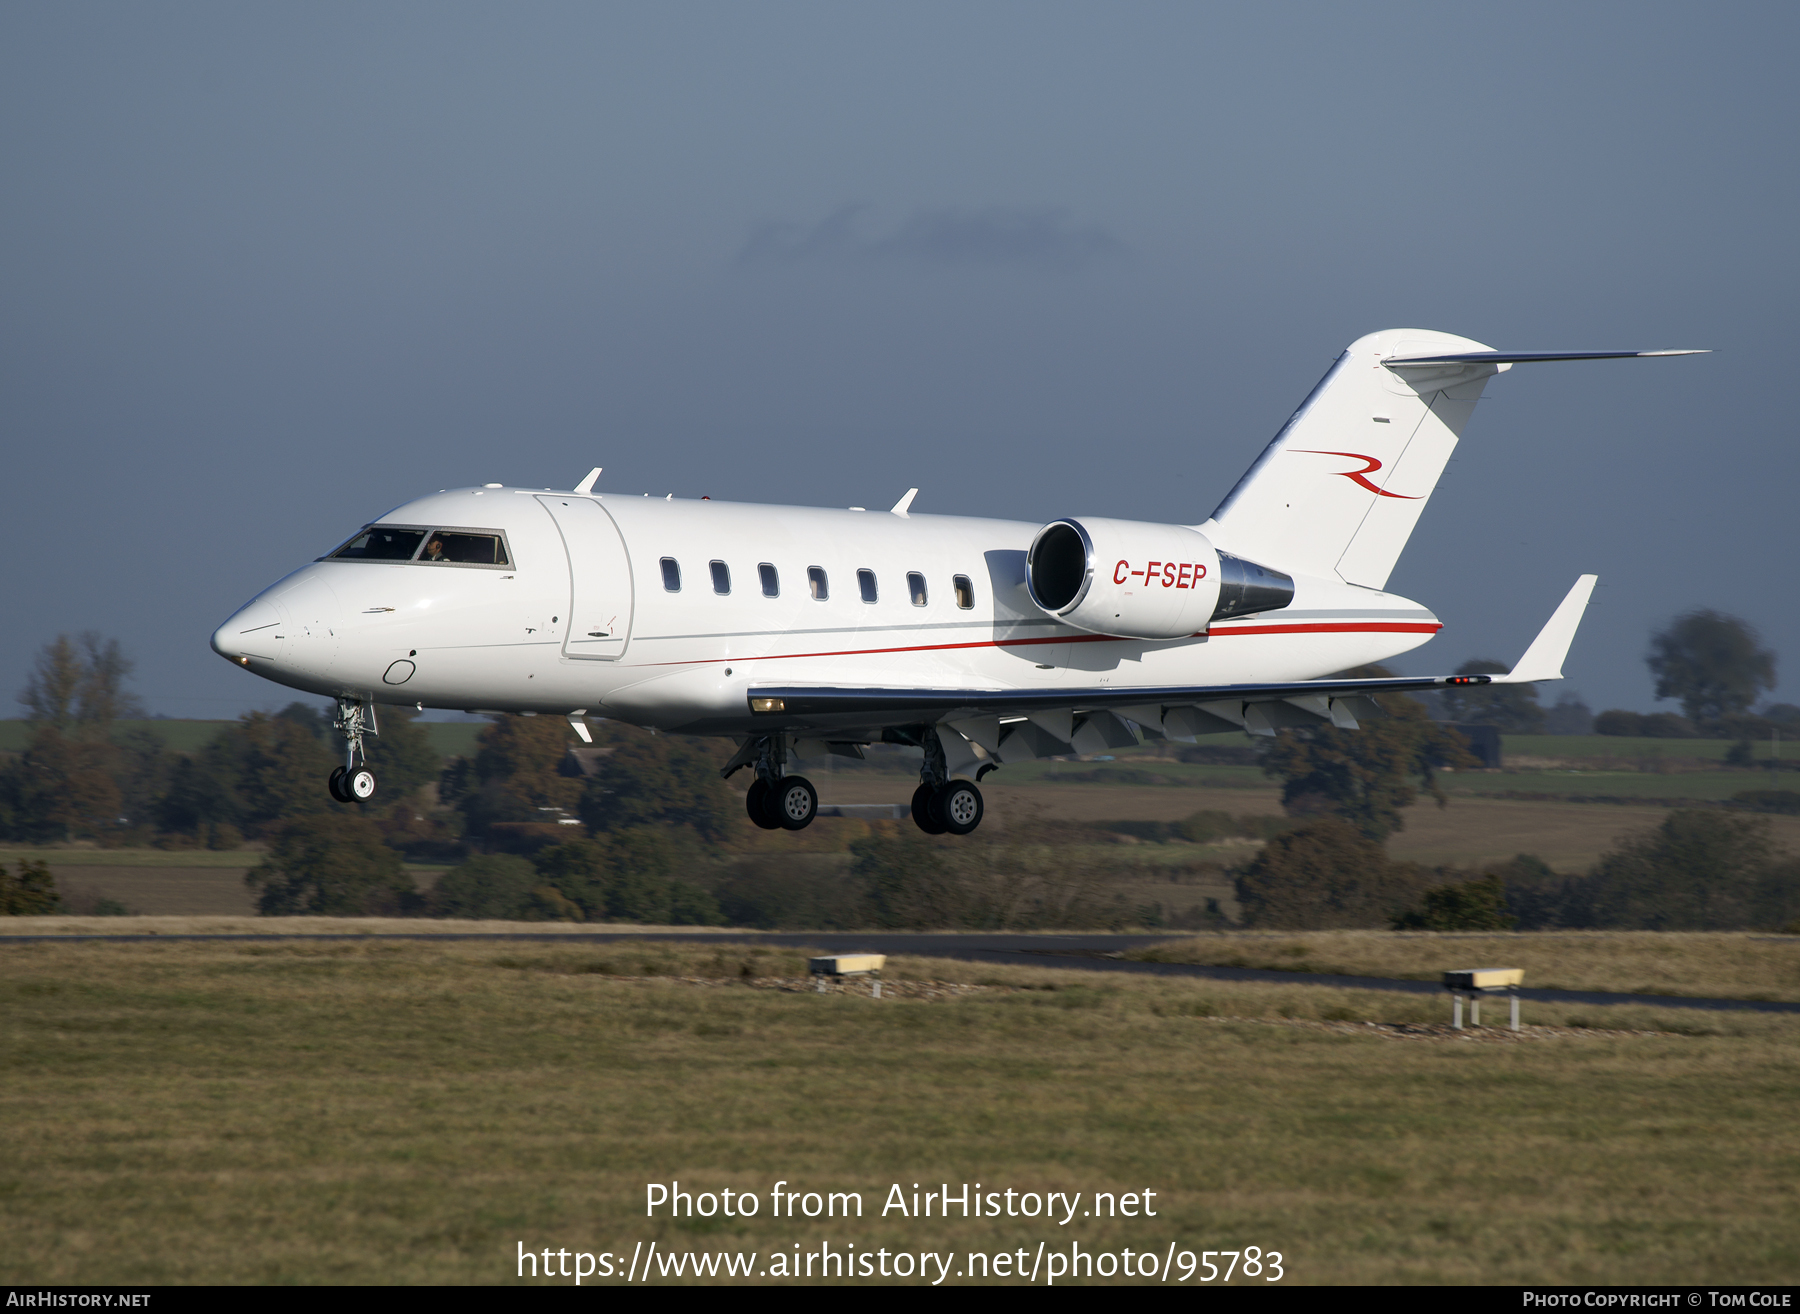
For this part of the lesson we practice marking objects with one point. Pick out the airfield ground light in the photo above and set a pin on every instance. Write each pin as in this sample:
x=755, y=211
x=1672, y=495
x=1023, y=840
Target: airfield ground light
x=1472, y=983
x=838, y=966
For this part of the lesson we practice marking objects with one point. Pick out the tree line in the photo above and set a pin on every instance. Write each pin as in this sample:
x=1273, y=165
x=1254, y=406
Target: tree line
x=1699, y=870
x=1714, y=665
x=639, y=827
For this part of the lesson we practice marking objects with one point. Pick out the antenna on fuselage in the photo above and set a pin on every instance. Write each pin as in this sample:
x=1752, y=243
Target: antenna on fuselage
x=587, y=484
x=903, y=507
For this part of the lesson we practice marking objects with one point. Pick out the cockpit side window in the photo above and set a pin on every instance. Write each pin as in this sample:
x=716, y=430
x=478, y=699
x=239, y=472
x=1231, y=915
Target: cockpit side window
x=379, y=543
x=449, y=547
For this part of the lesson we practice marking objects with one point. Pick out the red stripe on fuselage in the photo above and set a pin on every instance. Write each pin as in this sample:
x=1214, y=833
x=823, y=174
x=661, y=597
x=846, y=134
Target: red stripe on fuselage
x=1347, y=627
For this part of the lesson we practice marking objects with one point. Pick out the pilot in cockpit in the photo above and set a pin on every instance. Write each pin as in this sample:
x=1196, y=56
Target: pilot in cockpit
x=434, y=550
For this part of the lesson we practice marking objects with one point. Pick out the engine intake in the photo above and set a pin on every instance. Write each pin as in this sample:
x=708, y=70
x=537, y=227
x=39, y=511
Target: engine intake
x=1144, y=581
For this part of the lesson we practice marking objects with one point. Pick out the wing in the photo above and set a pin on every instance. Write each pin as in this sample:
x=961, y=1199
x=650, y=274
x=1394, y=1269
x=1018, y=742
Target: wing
x=1179, y=711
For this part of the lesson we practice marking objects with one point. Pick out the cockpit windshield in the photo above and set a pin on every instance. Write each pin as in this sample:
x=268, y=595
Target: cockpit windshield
x=379, y=544
x=440, y=547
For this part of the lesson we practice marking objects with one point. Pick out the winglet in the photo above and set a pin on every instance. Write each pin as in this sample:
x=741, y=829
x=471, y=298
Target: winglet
x=588, y=482
x=1544, y=658
x=903, y=506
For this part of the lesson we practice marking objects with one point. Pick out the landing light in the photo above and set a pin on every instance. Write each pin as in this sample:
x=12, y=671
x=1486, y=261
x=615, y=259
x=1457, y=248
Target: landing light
x=767, y=705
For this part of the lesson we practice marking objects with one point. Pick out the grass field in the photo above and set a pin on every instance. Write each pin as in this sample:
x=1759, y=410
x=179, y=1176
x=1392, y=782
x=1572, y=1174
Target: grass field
x=182, y=736
x=1604, y=786
x=1593, y=778
x=1472, y=830
x=453, y=738
x=414, y=1112
x=162, y=882
x=1615, y=746
x=89, y=856
x=1706, y=964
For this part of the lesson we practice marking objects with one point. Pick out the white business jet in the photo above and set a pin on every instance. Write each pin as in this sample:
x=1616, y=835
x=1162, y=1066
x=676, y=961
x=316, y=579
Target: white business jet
x=800, y=631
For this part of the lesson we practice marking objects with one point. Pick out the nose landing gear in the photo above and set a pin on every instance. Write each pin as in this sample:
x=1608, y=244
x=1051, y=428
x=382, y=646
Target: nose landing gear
x=351, y=783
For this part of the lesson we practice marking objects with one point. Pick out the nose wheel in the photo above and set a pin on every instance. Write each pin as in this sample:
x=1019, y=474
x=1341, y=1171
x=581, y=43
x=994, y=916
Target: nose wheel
x=351, y=786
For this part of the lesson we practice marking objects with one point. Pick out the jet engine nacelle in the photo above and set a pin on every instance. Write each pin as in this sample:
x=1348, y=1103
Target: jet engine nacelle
x=1125, y=577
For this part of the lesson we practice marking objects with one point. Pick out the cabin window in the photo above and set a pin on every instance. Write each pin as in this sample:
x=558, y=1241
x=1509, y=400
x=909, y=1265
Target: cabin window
x=721, y=574
x=965, y=592
x=815, y=580
x=771, y=580
x=915, y=588
x=448, y=547
x=377, y=543
x=671, y=574
x=865, y=580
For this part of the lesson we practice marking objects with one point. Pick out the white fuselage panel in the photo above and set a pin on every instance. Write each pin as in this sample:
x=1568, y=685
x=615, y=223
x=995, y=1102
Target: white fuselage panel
x=582, y=617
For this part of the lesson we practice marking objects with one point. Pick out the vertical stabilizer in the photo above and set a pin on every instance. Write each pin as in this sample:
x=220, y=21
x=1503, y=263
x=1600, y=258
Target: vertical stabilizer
x=1338, y=491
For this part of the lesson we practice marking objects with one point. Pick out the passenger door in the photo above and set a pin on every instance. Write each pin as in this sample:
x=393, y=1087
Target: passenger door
x=599, y=579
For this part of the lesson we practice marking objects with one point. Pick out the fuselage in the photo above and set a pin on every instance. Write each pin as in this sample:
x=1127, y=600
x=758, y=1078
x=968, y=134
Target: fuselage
x=670, y=613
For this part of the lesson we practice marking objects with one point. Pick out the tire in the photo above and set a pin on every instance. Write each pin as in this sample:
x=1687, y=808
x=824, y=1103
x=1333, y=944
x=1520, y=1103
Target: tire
x=756, y=803
x=960, y=807
x=924, y=810
x=360, y=784
x=335, y=784
x=795, y=802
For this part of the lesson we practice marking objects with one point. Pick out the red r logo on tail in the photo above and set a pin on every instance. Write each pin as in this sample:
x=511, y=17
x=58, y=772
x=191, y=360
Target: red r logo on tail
x=1357, y=476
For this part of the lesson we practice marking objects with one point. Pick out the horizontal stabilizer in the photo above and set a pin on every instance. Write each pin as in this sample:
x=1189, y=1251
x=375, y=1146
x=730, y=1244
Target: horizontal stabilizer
x=1543, y=660
x=1527, y=357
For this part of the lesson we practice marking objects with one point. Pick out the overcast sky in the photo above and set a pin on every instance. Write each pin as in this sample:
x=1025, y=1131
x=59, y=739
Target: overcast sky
x=271, y=269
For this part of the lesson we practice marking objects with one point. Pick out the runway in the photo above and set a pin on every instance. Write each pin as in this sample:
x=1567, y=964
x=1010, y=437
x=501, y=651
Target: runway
x=1095, y=952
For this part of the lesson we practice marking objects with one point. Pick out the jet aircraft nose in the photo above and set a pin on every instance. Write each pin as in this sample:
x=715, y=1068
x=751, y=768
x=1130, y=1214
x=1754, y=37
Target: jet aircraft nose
x=255, y=630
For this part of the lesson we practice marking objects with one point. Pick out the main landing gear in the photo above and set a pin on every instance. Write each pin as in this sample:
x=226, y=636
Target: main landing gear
x=351, y=783
x=787, y=803
x=953, y=808
x=777, y=801
x=940, y=805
